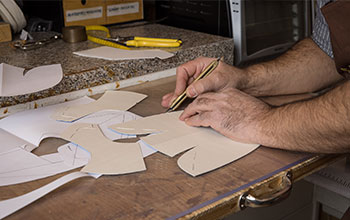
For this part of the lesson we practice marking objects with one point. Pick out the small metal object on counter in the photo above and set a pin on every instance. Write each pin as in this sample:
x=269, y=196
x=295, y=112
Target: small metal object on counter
x=30, y=45
x=74, y=34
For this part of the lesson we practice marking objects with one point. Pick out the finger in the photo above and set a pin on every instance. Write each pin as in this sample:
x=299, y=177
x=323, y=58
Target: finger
x=201, y=104
x=167, y=96
x=211, y=83
x=182, y=77
x=166, y=99
x=186, y=73
x=200, y=87
x=201, y=119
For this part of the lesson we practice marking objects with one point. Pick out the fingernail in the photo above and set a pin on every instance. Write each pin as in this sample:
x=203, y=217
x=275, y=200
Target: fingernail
x=180, y=118
x=172, y=99
x=187, y=121
x=192, y=92
x=166, y=96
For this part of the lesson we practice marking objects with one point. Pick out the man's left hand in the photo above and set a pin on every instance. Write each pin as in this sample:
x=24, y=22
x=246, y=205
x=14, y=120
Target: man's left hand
x=231, y=112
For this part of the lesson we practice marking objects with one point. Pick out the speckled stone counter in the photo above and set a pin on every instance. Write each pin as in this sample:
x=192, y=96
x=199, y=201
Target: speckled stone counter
x=81, y=72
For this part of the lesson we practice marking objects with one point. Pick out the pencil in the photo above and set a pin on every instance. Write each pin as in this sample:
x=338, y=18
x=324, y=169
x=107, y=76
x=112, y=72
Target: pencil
x=210, y=68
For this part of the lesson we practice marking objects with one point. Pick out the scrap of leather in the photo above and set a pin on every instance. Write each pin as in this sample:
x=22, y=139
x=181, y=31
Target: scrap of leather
x=206, y=149
x=107, y=157
x=337, y=15
x=110, y=100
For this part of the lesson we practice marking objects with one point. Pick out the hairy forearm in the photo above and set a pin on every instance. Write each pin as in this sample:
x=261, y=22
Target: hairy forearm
x=304, y=68
x=318, y=125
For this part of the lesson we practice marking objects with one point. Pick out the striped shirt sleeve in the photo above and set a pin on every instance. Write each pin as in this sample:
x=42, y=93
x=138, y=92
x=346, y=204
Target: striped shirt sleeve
x=320, y=33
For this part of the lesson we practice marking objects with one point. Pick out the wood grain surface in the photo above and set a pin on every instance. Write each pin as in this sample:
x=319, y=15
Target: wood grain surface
x=162, y=191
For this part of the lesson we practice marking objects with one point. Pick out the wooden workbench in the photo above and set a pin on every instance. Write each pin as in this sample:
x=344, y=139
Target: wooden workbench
x=163, y=191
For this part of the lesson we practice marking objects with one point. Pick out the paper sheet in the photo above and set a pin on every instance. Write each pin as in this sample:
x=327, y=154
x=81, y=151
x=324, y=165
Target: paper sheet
x=106, y=118
x=110, y=53
x=107, y=157
x=13, y=80
x=9, y=142
x=35, y=125
x=68, y=156
x=19, y=166
x=146, y=149
x=171, y=136
x=10, y=206
x=110, y=100
x=212, y=151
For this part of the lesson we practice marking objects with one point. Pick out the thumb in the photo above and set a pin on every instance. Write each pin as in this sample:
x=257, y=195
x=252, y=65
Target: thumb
x=199, y=87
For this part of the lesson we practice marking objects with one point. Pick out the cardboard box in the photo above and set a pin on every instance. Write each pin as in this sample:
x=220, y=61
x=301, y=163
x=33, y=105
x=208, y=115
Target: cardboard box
x=99, y=12
x=118, y=11
x=5, y=32
x=88, y=12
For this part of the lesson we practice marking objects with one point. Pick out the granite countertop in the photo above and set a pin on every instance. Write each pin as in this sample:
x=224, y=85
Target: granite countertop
x=82, y=72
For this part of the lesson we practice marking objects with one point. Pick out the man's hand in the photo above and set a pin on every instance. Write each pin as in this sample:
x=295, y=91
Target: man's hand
x=231, y=112
x=319, y=125
x=304, y=68
x=224, y=76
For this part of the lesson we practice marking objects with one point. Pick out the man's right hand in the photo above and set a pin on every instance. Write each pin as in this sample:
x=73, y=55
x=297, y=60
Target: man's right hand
x=224, y=76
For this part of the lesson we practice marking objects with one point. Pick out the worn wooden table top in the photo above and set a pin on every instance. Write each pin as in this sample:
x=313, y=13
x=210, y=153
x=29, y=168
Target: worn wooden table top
x=161, y=192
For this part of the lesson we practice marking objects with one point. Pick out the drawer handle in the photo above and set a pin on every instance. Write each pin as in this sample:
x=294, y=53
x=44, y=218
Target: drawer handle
x=248, y=200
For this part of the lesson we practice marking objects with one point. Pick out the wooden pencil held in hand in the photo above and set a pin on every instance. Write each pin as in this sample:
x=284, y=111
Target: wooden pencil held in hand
x=210, y=68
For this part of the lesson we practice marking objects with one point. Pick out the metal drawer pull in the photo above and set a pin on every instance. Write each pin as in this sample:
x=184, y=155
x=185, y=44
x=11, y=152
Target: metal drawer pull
x=267, y=199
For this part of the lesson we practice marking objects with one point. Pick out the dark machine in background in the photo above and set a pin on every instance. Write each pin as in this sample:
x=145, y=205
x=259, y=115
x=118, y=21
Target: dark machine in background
x=43, y=15
x=260, y=28
x=205, y=16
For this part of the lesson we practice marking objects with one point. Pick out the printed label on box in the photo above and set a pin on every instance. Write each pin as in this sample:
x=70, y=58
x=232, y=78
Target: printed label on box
x=122, y=9
x=84, y=14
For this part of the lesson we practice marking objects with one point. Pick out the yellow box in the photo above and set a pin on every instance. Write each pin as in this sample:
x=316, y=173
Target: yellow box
x=5, y=32
x=94, y=12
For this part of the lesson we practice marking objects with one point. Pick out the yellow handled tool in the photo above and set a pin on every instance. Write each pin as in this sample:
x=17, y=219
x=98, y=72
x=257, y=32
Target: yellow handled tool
x=153, y=42
x=123, y=42
x=148, y=42
x=100, y=40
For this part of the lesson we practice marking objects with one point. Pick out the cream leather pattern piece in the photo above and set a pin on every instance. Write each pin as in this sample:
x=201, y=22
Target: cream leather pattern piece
x=110, y=100
x=107, y=157
x=208, y=150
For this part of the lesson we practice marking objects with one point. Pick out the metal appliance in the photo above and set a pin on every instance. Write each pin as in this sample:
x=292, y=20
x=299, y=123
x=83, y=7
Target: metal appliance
x=260, y=28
